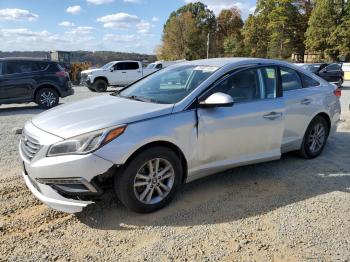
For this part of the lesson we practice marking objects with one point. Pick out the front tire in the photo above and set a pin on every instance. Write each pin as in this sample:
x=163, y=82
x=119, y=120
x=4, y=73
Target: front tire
x=47, y=98
x=100, y=85
x=150, y=180
x=315, y=138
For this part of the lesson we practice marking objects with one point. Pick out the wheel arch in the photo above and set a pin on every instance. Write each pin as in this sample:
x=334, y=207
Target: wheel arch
x=169, y=145
x=101, y=78
x=326, y=117
x=47, y=85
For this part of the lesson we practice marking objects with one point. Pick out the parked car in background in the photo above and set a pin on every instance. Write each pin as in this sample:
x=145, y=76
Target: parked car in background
x=115, y=73
x=157, y=134
x=332, y=73
x=24, y=80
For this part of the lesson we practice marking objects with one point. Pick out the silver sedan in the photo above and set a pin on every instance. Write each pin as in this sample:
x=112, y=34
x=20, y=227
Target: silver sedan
x=177, y=125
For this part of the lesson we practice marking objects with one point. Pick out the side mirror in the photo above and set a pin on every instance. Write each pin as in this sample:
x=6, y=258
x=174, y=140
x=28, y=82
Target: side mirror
x=112, y=69
x=217, y=100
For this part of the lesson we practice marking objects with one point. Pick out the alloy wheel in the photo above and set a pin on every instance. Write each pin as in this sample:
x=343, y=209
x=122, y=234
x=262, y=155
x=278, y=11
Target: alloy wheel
x=317, y=138
x=48, y=98
x=154, y=181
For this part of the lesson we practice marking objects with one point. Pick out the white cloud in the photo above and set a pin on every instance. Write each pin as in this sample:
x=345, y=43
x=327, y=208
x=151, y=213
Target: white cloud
x=66, y=24
x=119, y=18
x=217, y=5
x=74, y=9
x=121, y=38
x=82, y=30
x=17, y=14
x=76, y=38
x=144, y=27
x=99, y=2
x=132, y=1
x=79, y=38
x=252, y=9
x=124, y=21
x=155, y=19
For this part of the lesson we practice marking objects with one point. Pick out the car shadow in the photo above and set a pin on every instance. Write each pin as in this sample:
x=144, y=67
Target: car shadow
x=238, y=193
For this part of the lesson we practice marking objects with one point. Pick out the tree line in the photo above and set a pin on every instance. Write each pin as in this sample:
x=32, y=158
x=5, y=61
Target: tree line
x=97, y=58
x=277, y=29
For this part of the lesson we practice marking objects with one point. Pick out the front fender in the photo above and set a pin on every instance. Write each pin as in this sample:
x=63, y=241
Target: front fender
x=178, y=129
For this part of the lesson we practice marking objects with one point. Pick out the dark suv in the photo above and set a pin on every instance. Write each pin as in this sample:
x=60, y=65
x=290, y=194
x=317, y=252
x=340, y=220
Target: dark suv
x=24, y=80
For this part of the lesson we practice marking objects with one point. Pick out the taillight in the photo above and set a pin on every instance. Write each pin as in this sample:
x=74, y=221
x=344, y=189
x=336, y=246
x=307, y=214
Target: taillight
x=62, y=74
x=337, y=92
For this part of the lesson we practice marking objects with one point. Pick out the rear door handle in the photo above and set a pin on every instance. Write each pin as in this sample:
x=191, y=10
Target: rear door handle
x=123, y=72
x=306, y=101
x=273, y=116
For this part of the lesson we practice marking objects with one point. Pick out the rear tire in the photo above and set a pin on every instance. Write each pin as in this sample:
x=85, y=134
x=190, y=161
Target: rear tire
x=100, y=85
x=47, y=98
x=142, y=187
x=315, y=138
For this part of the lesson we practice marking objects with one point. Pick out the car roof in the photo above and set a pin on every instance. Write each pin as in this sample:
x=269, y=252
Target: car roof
x=222, y=62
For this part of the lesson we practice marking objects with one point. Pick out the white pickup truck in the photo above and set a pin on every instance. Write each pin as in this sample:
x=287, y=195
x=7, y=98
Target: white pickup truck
x=119, y=73
x=115, y=73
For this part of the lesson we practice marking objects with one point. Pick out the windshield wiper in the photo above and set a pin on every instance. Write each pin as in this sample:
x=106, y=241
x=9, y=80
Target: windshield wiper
x=138, y=98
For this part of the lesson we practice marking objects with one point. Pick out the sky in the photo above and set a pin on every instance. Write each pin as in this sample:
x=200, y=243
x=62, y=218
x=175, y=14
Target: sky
x=93, y=25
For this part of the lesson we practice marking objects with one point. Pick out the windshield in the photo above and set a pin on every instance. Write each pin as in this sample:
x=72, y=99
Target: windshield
x=108, y=65
x=151, y=66
x=169, y=86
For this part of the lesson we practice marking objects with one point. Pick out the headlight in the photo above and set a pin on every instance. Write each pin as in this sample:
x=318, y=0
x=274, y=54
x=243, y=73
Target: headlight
x=85, y=143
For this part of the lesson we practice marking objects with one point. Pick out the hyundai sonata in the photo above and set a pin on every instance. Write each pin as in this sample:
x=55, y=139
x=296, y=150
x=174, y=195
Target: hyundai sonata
x=175, y=126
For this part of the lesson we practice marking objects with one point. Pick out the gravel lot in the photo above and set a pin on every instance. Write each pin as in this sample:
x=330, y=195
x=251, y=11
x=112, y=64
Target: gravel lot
x=286, y=210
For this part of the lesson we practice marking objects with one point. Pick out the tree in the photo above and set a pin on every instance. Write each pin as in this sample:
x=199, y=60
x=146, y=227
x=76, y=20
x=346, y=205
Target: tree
x=256, y=36
x=181, y=39
x=205, y=18
x=185, y=32
x=322, y=23
x=229, y=40
x=284, y=26
x=340, y=38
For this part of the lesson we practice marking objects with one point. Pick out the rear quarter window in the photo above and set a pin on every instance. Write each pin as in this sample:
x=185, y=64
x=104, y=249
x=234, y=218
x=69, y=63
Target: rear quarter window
x=308, y=81
x=41, y=65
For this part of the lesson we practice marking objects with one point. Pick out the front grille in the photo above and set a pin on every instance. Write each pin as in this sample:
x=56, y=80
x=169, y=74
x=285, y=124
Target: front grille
x=83, y=78
x=29, y=145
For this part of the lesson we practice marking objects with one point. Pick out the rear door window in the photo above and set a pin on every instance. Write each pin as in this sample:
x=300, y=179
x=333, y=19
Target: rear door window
x=290, y=79
x=20, y=67
x=40, y=66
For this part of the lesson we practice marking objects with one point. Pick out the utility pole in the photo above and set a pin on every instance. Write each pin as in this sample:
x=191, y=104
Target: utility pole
x=208, y=43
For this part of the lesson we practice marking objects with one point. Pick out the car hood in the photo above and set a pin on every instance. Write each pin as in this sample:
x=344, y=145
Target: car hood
x=92, y=71
x=96, y=113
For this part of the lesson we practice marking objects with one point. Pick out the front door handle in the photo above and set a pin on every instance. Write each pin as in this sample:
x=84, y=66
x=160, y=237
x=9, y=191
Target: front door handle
x=123, y=72
x=273, y=115
x=306, y=101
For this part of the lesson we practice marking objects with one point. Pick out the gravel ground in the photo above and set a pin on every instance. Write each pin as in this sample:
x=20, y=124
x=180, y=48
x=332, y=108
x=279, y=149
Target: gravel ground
x=286, y=210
